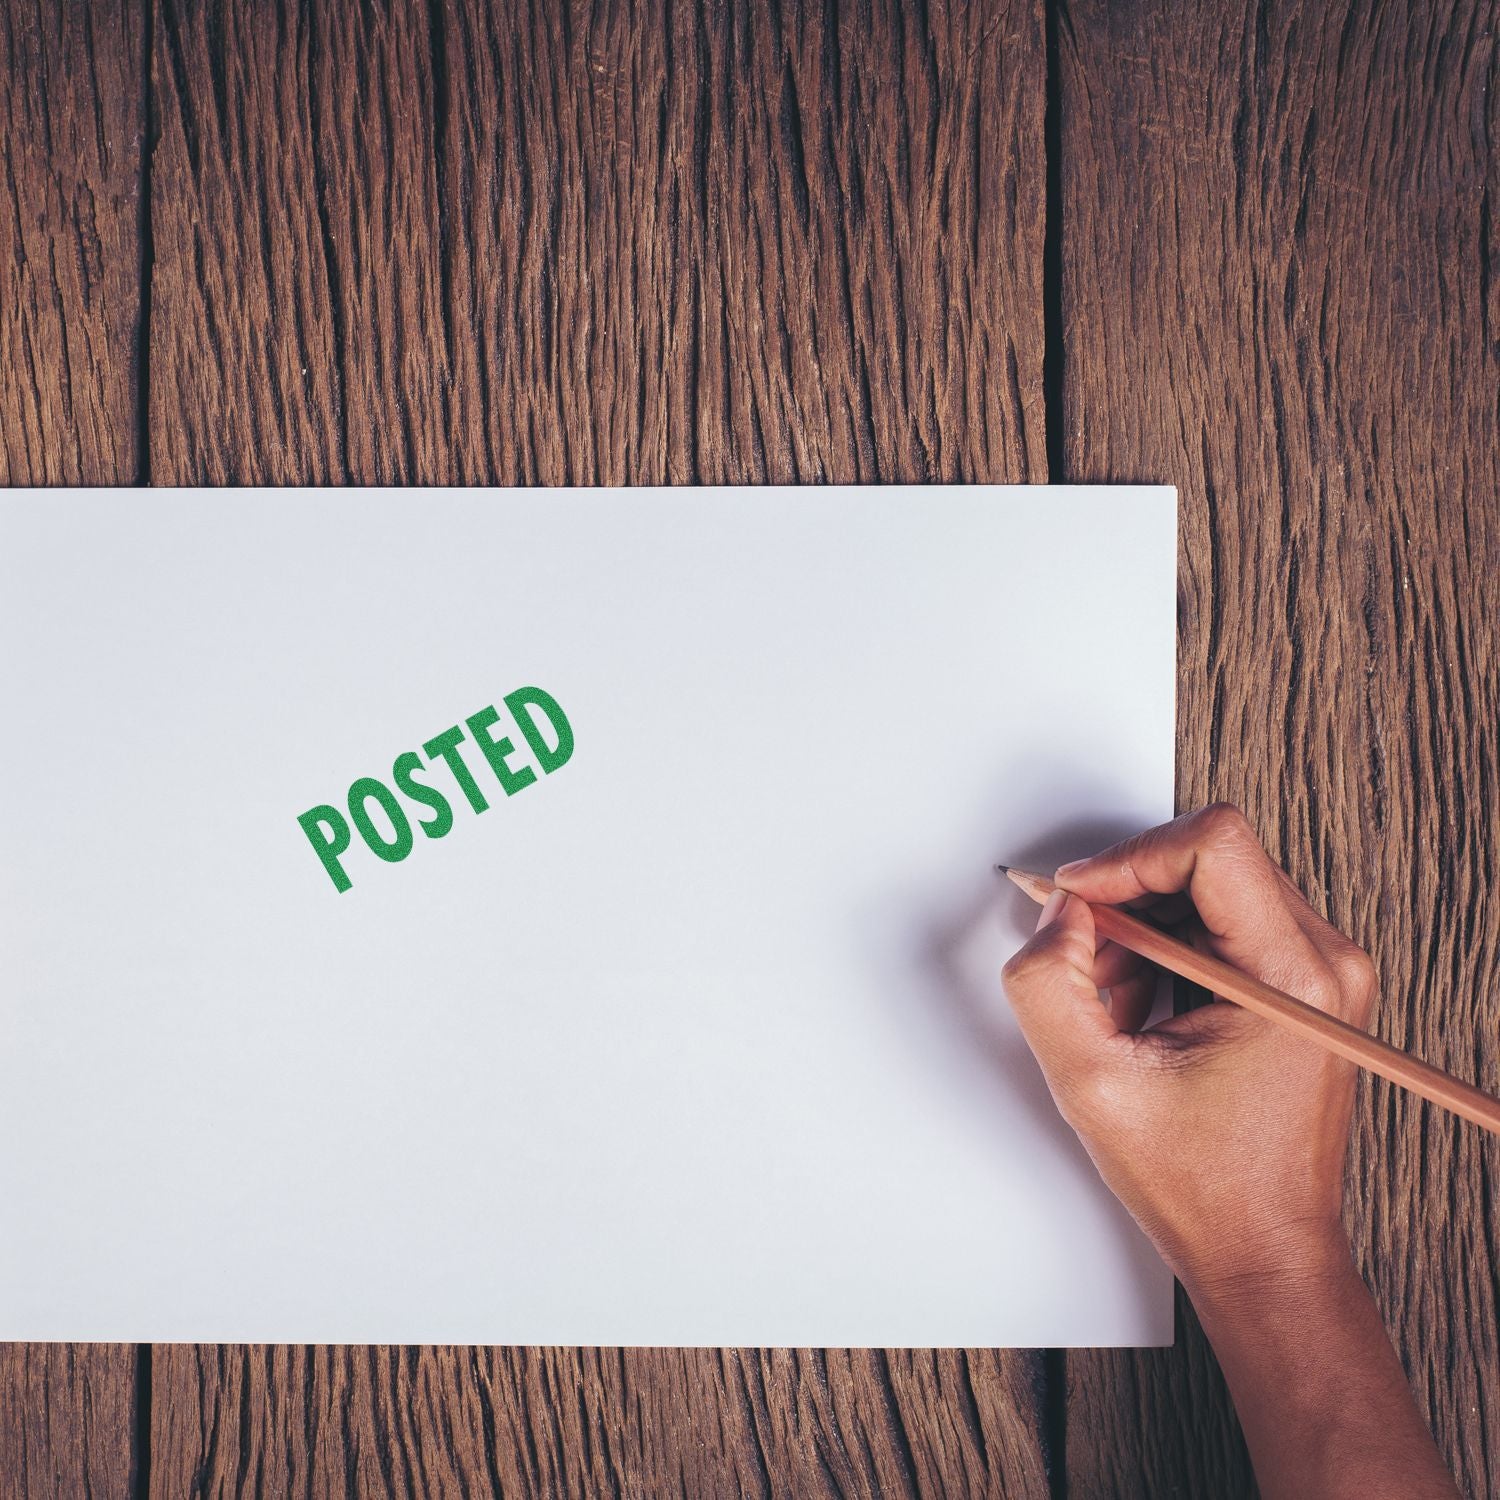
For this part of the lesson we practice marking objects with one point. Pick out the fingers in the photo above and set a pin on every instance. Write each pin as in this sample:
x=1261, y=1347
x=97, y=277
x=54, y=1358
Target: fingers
x=1130, y=981
x=1351, y=965
x=1114, y=964
x=1244, y=900
x=1212, y=854
x=1131, y=1000
x=1051, y=988
x=1166, y=911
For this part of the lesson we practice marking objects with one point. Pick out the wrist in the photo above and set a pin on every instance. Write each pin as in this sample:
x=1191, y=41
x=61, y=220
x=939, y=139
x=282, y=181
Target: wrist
x=1298, y=1263
x=1320, y=1393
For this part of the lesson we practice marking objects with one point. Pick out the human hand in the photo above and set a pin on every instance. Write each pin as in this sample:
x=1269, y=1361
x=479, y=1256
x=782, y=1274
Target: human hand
x=1221, y=1133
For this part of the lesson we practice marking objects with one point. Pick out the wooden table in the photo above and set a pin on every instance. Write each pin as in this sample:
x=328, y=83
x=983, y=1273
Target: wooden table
x=1253, y=250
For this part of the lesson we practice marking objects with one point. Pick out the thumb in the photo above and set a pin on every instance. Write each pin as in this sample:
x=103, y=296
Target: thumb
x=1051, y=988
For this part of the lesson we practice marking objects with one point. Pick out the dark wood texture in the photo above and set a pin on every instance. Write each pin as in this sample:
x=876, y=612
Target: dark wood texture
x=72, y=99
x=547, y=1422
x=1280, y=292
x=69, y=1420
x=592, y=245
x=563, y=243
x=72, y=117
x=432, y=243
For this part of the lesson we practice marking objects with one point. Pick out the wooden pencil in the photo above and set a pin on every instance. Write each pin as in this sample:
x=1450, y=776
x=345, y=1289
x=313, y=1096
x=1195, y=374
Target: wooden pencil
x=1306, y=1020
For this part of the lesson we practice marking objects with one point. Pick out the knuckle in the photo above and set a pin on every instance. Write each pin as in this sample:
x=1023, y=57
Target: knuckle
x=1321, y=989
x=1127, y=864
x=1045, y=960
x=1226, y=824
x=1356, y=973
x=1023, y=967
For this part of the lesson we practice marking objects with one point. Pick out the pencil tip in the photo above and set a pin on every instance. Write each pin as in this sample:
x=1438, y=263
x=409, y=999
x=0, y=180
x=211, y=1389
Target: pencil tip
x=1002, y=869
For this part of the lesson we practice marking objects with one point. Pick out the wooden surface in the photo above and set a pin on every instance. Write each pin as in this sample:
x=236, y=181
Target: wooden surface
x=1247, y=249
x=72, y=120
x=1281, y=293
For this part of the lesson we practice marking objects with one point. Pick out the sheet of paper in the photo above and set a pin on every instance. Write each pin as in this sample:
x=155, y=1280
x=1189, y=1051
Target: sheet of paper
x=696, y=1037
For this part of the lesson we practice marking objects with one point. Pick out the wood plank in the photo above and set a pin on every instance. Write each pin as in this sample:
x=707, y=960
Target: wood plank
x=72, y=120
x=427, y=245
x=600, y=245
x=772, y=250
x=69, y=1422
x=72, y=117
x=545, y=1422
x=1280, y=293
x=244, y=373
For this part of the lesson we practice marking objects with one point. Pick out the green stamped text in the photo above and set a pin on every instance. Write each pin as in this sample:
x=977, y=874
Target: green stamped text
x=381, y=818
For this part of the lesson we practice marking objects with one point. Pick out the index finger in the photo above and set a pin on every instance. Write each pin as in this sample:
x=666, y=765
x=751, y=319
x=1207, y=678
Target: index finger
x=1240, y=895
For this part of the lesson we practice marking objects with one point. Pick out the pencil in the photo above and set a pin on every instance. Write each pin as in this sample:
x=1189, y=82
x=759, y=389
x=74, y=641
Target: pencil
x=1339, y=1037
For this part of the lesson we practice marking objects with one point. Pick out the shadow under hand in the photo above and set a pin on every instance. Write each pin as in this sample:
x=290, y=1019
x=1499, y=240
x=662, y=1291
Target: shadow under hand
x=964, y=950
x=963, y=945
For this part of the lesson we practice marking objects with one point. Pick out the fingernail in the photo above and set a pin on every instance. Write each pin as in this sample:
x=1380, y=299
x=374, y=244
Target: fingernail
x=1051, y=907
x=1071, y=868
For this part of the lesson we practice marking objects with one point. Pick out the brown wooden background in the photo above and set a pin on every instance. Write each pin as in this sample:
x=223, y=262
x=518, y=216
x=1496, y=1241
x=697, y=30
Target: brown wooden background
x=1252, y=249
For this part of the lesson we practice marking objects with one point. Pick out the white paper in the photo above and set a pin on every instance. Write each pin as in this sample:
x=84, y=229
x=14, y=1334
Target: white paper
x=698, y=1039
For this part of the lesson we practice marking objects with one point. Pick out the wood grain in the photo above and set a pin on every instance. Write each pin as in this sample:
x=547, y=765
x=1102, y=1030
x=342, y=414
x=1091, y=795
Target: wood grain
x=72, y=121
x=546, y=1422
x=72, y=117
x=68, y=1420
x=599, y=246
x=1280, y=293
x=596, y=245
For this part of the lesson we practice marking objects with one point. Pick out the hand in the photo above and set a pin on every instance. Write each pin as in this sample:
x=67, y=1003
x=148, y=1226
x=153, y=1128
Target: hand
x=1224, y=1135
x=1221, y=1133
